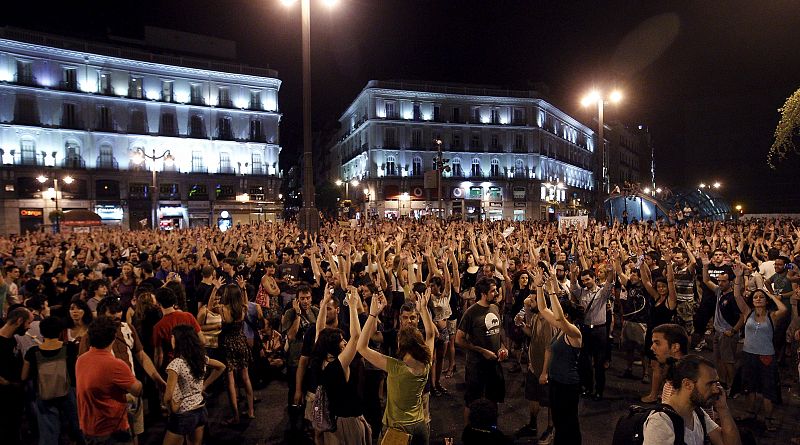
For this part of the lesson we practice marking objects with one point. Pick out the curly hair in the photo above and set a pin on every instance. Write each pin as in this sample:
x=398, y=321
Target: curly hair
x=328, y=343
x=190, y=349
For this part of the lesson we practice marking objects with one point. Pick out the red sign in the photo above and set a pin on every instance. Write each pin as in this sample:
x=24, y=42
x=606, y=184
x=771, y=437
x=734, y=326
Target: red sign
x=31, y=213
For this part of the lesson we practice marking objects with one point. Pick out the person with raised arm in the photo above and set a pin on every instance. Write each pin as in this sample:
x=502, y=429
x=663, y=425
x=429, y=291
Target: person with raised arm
x=406, y=376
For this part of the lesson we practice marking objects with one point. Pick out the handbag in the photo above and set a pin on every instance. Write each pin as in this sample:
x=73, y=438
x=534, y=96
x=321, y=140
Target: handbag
x=393, y=436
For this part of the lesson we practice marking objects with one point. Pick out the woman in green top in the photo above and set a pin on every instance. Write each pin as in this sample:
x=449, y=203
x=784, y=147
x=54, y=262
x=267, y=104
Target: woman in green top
x=406, y=376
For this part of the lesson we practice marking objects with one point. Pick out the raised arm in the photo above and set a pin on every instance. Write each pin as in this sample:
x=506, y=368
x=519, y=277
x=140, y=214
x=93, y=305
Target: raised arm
x=377, y=359
x=349, y=351
x=738, y=288
x=706, y=278
x=430, y=328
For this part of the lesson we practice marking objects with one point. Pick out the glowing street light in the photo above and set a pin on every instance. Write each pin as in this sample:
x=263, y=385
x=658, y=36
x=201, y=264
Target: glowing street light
x=596, y=98
x=717, y=185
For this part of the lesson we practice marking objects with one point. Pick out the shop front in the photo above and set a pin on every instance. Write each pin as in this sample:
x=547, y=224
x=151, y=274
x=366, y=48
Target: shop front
x=110, y=214
x=30, y=220
x=172, y=217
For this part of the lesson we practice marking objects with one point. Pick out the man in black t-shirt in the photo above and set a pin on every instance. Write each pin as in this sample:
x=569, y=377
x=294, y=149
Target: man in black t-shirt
x=11, y=391
x=479, y=334
x=708, y=299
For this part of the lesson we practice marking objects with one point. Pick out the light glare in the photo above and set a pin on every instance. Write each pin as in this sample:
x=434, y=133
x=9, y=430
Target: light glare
x=68, y=180
x=615, y=96
x=330, y=3
x=42, y=179
x=288, y=2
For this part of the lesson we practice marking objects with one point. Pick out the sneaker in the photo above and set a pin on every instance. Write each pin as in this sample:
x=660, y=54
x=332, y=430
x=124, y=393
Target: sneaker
x=700, y=346
x=547, y=436
x=526, y=431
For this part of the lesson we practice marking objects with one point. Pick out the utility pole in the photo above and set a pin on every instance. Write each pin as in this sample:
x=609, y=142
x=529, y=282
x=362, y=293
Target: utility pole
x=439, y=167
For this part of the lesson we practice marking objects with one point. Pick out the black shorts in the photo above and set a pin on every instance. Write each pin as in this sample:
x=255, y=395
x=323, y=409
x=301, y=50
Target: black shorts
x=535, y=391
x=760, y=375
x=183, y=424
x=484, y=379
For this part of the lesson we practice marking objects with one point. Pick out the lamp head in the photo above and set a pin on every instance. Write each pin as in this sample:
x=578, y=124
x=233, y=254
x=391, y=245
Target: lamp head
x=615, y=96
x=68, y=180
x=169, y=160
x=338, y=182
x=137, y=158
x=591, y=98
x=42, y=179
x=354, y=183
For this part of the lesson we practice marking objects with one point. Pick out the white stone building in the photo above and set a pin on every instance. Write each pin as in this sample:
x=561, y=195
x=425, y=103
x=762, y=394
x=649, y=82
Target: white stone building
x=84, y=109
x=511, y=154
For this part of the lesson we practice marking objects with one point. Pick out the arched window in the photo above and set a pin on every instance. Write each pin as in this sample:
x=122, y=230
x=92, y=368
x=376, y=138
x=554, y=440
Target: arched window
x=495, y=168
x=416, y=166
x=456, y=166
x=519, y=168
x=476, y=168
x=72, y=155
x=390, y=166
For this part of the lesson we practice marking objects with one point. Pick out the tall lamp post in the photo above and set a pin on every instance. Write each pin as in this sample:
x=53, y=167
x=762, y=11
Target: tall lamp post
x=308, y=217
x=347, y=184
x=366, y=204
x=599, y=99
x=138, y=158
x=67, y=180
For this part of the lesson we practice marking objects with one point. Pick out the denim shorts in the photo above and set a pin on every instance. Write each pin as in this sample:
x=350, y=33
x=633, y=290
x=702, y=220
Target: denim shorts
x=183, y=424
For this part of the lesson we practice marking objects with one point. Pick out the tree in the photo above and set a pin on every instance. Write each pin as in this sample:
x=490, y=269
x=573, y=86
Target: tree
x=787, y=132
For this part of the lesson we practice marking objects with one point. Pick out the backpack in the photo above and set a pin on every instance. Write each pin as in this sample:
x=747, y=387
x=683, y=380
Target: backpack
x=52, y=377
x=321, y=418
x=630, y=427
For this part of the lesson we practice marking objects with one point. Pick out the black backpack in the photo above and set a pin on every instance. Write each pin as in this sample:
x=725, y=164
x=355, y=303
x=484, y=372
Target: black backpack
x=630, y=427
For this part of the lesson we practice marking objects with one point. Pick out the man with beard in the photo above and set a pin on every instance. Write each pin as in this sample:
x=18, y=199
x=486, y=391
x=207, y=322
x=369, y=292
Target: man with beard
x=696, y=386
x=479, y=335
x=11, y=391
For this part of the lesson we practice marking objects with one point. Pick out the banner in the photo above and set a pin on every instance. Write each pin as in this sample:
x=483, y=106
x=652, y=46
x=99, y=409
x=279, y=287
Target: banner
x=576, y=221
x=430, y=179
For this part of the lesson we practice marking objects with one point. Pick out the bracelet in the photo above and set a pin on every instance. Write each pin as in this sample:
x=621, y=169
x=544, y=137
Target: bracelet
x=376, y=317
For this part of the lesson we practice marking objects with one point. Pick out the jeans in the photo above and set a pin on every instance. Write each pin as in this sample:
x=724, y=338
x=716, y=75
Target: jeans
x=564, y=407
x=51, y=413
x=591, y=365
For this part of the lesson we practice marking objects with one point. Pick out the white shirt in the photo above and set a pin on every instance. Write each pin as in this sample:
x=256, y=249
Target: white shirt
x=658, y=430
x=767, y=268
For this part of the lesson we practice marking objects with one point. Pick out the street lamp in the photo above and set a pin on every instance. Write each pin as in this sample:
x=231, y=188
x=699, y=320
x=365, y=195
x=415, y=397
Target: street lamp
x=596, y=97
x=308, y=217
x=347, y=184
x=138, y=158
x=366, y=202
x=67, y=180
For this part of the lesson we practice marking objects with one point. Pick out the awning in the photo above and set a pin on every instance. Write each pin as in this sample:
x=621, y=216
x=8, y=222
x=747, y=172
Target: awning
x=81, y=218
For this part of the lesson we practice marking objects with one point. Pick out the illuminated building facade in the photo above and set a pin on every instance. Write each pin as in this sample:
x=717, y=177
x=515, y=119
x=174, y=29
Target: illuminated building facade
x=85, y=109
x=511, y=154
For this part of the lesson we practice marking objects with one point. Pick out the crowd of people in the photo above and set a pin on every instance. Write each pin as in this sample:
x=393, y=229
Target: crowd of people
x=106, y=331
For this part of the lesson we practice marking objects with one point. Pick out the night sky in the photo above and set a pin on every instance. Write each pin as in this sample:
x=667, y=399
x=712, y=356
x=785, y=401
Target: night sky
x=707, y=77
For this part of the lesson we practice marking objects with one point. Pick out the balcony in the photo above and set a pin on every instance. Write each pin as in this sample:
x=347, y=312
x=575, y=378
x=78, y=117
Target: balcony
x=73, y=163
x=520, y=149
x=226, y=170
x=224, y=103
x=68, y=86
x=26, y=79
x=257, y=170
x=104, y=163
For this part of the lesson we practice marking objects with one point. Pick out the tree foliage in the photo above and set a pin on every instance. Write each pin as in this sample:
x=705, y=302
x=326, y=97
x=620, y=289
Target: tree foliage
x=787, y=131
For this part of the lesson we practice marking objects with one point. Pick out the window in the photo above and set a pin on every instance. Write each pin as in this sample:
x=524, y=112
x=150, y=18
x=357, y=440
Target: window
x=138, y=190
x=495, y=116
x=456, y=141
x=476, y=115
x=258, y=167
x=196, y=126
x=104, y=122
x=135, y=87
x=436, y=137
x=166, y=90
x=72, y=155
x=390, y=138
x=416, y=166
x=255, y=100
x=25, y=73
x=197, y=94
x=225, y=191
x=70, y=82
x=456, y=115
x=198, y=192
x=168, y=191
x=167, y=125
x=389, y=109
x=27, y=149
x=105, y=159
x=390, y=166
x=495, y=144
x=476, y=167
x=455, y=165
x=519, y=168
x=256, y=131
x=25, y=110
x=475, y=142
x=106, y=189
x=104, y=85
x=198, y=166
x=138, y=122
x=519, y=142
x=224, y=129
x=519, y=116
x=495, y=168
x=417, y=113
x=437, y=114
x=224, y=98
x=225, y=163
x=416, y=138
x=257, y=193
x=69, y=118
